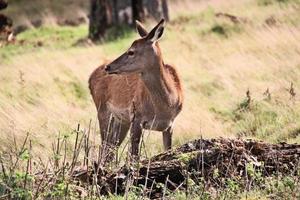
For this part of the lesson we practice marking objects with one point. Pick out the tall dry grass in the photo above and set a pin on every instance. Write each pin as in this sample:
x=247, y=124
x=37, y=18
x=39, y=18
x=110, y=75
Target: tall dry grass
x=44, y=91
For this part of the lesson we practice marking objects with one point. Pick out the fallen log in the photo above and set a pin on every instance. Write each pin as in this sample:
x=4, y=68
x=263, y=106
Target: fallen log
x=208, y=161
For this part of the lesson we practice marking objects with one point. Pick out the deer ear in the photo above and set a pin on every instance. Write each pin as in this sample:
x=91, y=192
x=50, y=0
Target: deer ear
x=156, y=33
x=141, y=29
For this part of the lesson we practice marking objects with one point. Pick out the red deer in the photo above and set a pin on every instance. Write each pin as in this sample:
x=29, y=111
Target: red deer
x=139, y=91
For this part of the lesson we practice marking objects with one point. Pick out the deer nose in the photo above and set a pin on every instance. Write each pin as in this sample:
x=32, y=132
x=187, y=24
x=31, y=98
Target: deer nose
x=107, y=68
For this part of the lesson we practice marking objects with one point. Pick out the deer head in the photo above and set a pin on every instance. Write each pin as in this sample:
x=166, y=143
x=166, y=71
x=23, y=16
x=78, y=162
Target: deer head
x=143, y=54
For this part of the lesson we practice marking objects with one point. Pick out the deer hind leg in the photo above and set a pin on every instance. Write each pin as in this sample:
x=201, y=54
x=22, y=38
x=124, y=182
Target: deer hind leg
x=167, y=138
x=107, y=124
x=136, y=133
x=104, y=117
x=118, y=134
x=113, y=133
x=122, y=129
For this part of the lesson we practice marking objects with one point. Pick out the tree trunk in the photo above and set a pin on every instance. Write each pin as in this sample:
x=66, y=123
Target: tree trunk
x=100, y=19
x=115, y=12
x=3, y=4
x=137, y=10
x=165, y=10
x=5, y=22
x=154, y=9
x=158, y=9
x=6, y=32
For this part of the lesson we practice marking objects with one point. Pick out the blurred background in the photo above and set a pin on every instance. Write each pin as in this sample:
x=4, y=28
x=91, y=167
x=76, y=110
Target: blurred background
x=239, y=61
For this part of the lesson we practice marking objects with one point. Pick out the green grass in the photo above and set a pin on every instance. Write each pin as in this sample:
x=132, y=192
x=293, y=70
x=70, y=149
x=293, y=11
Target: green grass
x=270, y=2
x=60, y=38
x=55, y=36
x=42, y=38
x=274, y=120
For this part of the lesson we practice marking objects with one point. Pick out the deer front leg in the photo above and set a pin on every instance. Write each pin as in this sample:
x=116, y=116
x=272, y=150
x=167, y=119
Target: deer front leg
x=167, y=138
x=136, y=133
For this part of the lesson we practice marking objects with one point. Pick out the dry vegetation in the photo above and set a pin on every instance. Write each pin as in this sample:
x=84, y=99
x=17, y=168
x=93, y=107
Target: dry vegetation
x=43, y=79
x=35, y=13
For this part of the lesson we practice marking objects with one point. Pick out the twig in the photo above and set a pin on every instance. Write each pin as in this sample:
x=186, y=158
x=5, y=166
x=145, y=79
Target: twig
x=165, y=188
x=147, y=175
x=75, y=147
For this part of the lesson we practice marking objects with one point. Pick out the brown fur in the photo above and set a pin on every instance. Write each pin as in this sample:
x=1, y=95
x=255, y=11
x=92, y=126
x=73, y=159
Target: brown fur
x=121, y=89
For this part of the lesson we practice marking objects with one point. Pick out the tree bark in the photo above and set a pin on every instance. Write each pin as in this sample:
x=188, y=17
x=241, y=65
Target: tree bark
x=100, y=19
x=165, y=10
x=115, y=12
x=4, y=20
x=154, y=9
x=6, y=23
x=3, y=4
x=158, y=9
x=137, y=10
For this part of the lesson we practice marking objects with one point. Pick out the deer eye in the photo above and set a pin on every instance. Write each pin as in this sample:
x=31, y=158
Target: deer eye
x=130, y=53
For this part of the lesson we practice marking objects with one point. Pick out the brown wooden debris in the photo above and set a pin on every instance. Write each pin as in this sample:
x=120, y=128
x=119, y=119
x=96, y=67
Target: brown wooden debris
x=199, y=160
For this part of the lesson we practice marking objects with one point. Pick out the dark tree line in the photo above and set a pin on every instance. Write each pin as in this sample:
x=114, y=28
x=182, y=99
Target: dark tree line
x=5, y=23
x=100, y=18
x=108, y=13
x=3, y=4
x=138, y=10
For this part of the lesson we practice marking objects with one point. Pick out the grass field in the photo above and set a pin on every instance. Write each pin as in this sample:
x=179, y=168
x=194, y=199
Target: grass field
x=44, y=91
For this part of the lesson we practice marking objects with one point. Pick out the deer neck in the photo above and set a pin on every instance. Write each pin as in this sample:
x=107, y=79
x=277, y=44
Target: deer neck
x=161, y=87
